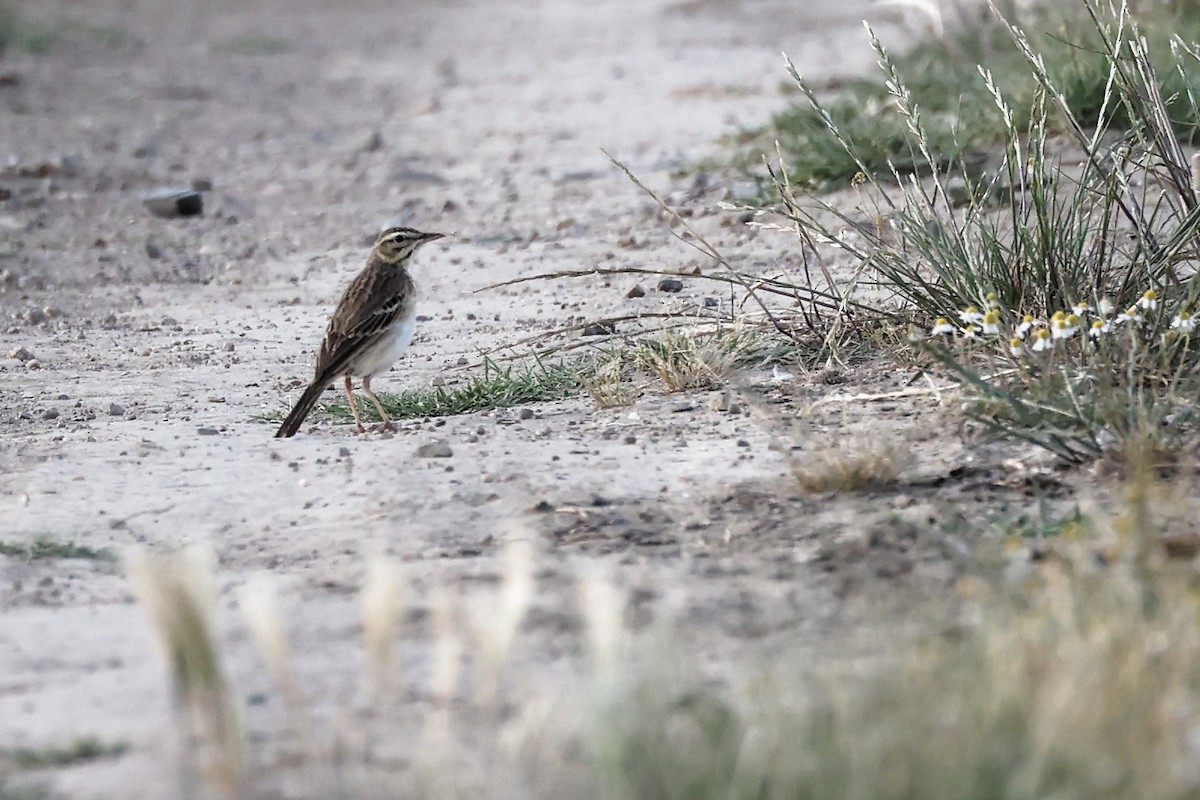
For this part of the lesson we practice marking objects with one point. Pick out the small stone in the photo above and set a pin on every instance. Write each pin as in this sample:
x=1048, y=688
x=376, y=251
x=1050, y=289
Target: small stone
x=694, y=269
x=202, y=184
x=525, y=413
x=670, y=285
x=373, y=143
x=145, y=150
x=116, y=410
x=153, y=250
x=743, y=443
x=52, y=312
x=343, y=452
x=33, y=363
x=20, y=354
x=680, y=406
x=229, y=347
x=724, y=401
x=33, y=316
x=711, y=302
x=462, y=361
x=438, y=449
x=207, y=431
x=437, y=380
x=630, y=439
x=174, y=201
x=600, y=329
x=637, y=291
x=50, y=413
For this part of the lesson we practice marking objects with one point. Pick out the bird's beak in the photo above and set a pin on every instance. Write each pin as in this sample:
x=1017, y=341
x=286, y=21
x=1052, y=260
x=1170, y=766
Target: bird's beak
x=429, y=237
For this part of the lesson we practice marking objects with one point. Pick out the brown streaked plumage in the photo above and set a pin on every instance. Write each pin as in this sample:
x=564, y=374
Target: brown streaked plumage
x=370, y=328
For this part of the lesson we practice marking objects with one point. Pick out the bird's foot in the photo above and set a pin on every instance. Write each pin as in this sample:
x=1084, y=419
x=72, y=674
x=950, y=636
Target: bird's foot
x=389, y=427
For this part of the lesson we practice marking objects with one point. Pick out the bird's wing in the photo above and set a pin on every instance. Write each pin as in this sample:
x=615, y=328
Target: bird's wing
x=373, y=301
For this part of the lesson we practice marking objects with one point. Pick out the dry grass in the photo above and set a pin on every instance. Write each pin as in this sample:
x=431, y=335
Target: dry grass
x=850, y=467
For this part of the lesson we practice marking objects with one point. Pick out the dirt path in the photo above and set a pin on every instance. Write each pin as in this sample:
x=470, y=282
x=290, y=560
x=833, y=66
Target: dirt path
x=165, y=338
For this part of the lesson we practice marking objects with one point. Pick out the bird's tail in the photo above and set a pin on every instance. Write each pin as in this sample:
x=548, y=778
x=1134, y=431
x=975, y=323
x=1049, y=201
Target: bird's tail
x=304, y=405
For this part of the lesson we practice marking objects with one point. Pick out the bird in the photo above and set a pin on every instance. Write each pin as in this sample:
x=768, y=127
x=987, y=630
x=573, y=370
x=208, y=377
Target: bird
x=370, y=328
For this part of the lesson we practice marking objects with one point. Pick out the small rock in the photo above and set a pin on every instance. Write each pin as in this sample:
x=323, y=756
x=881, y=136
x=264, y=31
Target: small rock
x=437, y=380
x=343, y=452
x=600, y=329
x=670, y=285
x=525, y=413
x=630, y=439
x=207, y=431
x=177, y=201
x=680, y=406
x=726, y=402
x=637, y=291
x=229, y=347
x=50, y=413
x=33, y=363
x=438, y=449
x=373, y=143
x=33, y=316
x=20, y=354
x=711, y=302
x=52, y=312
x=202, y=184
x=462, y=361
x=116, y=410
x=153, y=250
x=145, y=150
x=694, y=269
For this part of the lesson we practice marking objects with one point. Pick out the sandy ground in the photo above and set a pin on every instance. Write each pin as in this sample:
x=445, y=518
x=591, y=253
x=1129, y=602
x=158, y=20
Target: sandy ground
x=157, y=342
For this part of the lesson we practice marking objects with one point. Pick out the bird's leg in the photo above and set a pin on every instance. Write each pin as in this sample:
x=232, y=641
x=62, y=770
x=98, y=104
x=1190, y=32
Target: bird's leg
x=353, y=406
x=388, y=425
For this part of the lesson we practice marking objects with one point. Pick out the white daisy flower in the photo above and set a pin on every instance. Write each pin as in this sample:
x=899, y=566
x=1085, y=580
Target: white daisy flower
x=1130, y=314
x=1079, y=309
x=971, y=314
x=942, y=325
x=1149, y=300
x=1016, y=347
x=1042, y=340
x=991, y=322
x=1027, y=322
x=1184, y=322
x=1099, y=327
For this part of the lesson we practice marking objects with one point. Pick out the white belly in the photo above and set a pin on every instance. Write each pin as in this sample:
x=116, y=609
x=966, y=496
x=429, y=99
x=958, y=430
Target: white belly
x=379, y=359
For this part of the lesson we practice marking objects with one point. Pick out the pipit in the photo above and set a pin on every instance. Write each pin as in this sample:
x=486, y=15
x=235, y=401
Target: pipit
x=370, y=328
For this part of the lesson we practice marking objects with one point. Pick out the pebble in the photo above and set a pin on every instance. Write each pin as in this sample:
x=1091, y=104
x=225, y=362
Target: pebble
x=153, y=251
x=52, y=312
x=438, y=449
x=20, y=354
x=174, y=201
x=637, y=291
x=671, y=285
x=34, y=316
x=116, y=410
x=600, y=329
x=680, y=406
x=525, y=413
x=50, y=413
x=202, y=184
x=207, y=431
x=711, y=302
x=726, y=402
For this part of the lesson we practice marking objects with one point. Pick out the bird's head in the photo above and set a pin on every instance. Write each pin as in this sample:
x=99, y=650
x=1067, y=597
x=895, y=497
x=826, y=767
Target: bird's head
x=395, y=245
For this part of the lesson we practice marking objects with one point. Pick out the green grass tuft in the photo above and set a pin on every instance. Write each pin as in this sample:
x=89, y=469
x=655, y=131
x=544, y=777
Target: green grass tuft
x=78, y=752
x=44, y=547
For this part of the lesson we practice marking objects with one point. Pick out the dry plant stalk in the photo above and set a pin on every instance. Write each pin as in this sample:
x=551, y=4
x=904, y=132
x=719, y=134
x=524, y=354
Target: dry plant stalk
x=177, y=591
